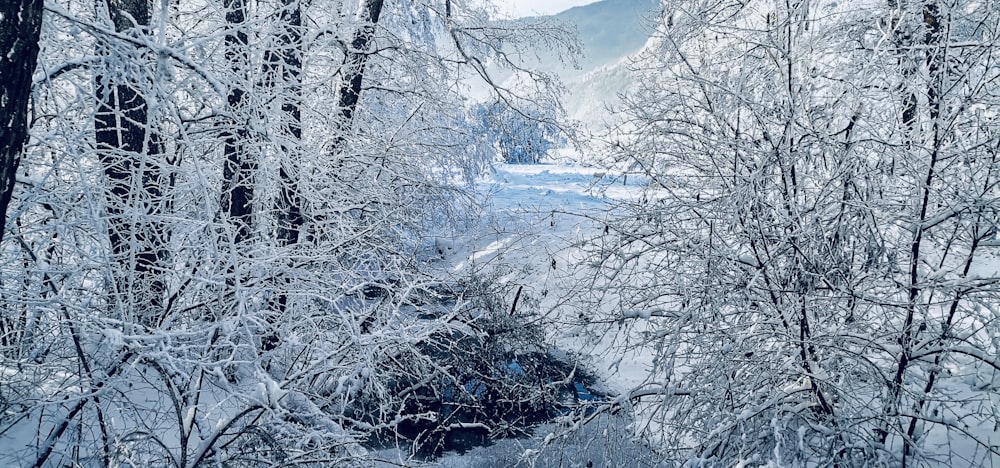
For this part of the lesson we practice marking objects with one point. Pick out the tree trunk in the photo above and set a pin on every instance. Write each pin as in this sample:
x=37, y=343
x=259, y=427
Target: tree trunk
x=283, y=72
x=355, y=62
x=128, y=151
x=20, y=26
x=239, y=168
x=926, y=33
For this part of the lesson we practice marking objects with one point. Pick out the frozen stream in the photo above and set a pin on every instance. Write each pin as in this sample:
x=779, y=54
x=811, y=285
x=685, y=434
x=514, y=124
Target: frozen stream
x=536, y=217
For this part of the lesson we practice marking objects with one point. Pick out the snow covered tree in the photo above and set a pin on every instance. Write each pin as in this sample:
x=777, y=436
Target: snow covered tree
x=519, y=136
x=811, y=264
x=283, y=72
x=220, y=248
x=356, y=60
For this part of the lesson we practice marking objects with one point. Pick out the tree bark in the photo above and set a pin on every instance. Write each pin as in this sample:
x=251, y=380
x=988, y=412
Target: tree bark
x=355, y=63
x=283, y=72
x=283, y=75
x=128, y=150
x=239, y=168
x=20, y=27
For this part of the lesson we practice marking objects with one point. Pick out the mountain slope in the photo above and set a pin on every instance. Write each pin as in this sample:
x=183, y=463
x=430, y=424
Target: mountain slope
x=609, y=32
x=610, y=29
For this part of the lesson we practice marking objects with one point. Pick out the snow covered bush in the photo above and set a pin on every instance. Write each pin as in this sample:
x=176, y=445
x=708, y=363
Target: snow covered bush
x=489, y=374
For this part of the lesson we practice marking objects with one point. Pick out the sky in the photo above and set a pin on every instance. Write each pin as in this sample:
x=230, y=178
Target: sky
x=534, y=7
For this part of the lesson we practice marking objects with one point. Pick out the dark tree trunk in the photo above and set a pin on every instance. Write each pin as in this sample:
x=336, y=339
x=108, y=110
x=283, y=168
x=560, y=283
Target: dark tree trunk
x=283, y=72
x=129, y=151
x=926, y=33
x=20, y=26
x=354, y=68
x=240, y=167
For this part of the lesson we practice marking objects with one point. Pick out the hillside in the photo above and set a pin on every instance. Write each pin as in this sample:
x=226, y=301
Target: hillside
x=610, y=29
x=609, y=32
